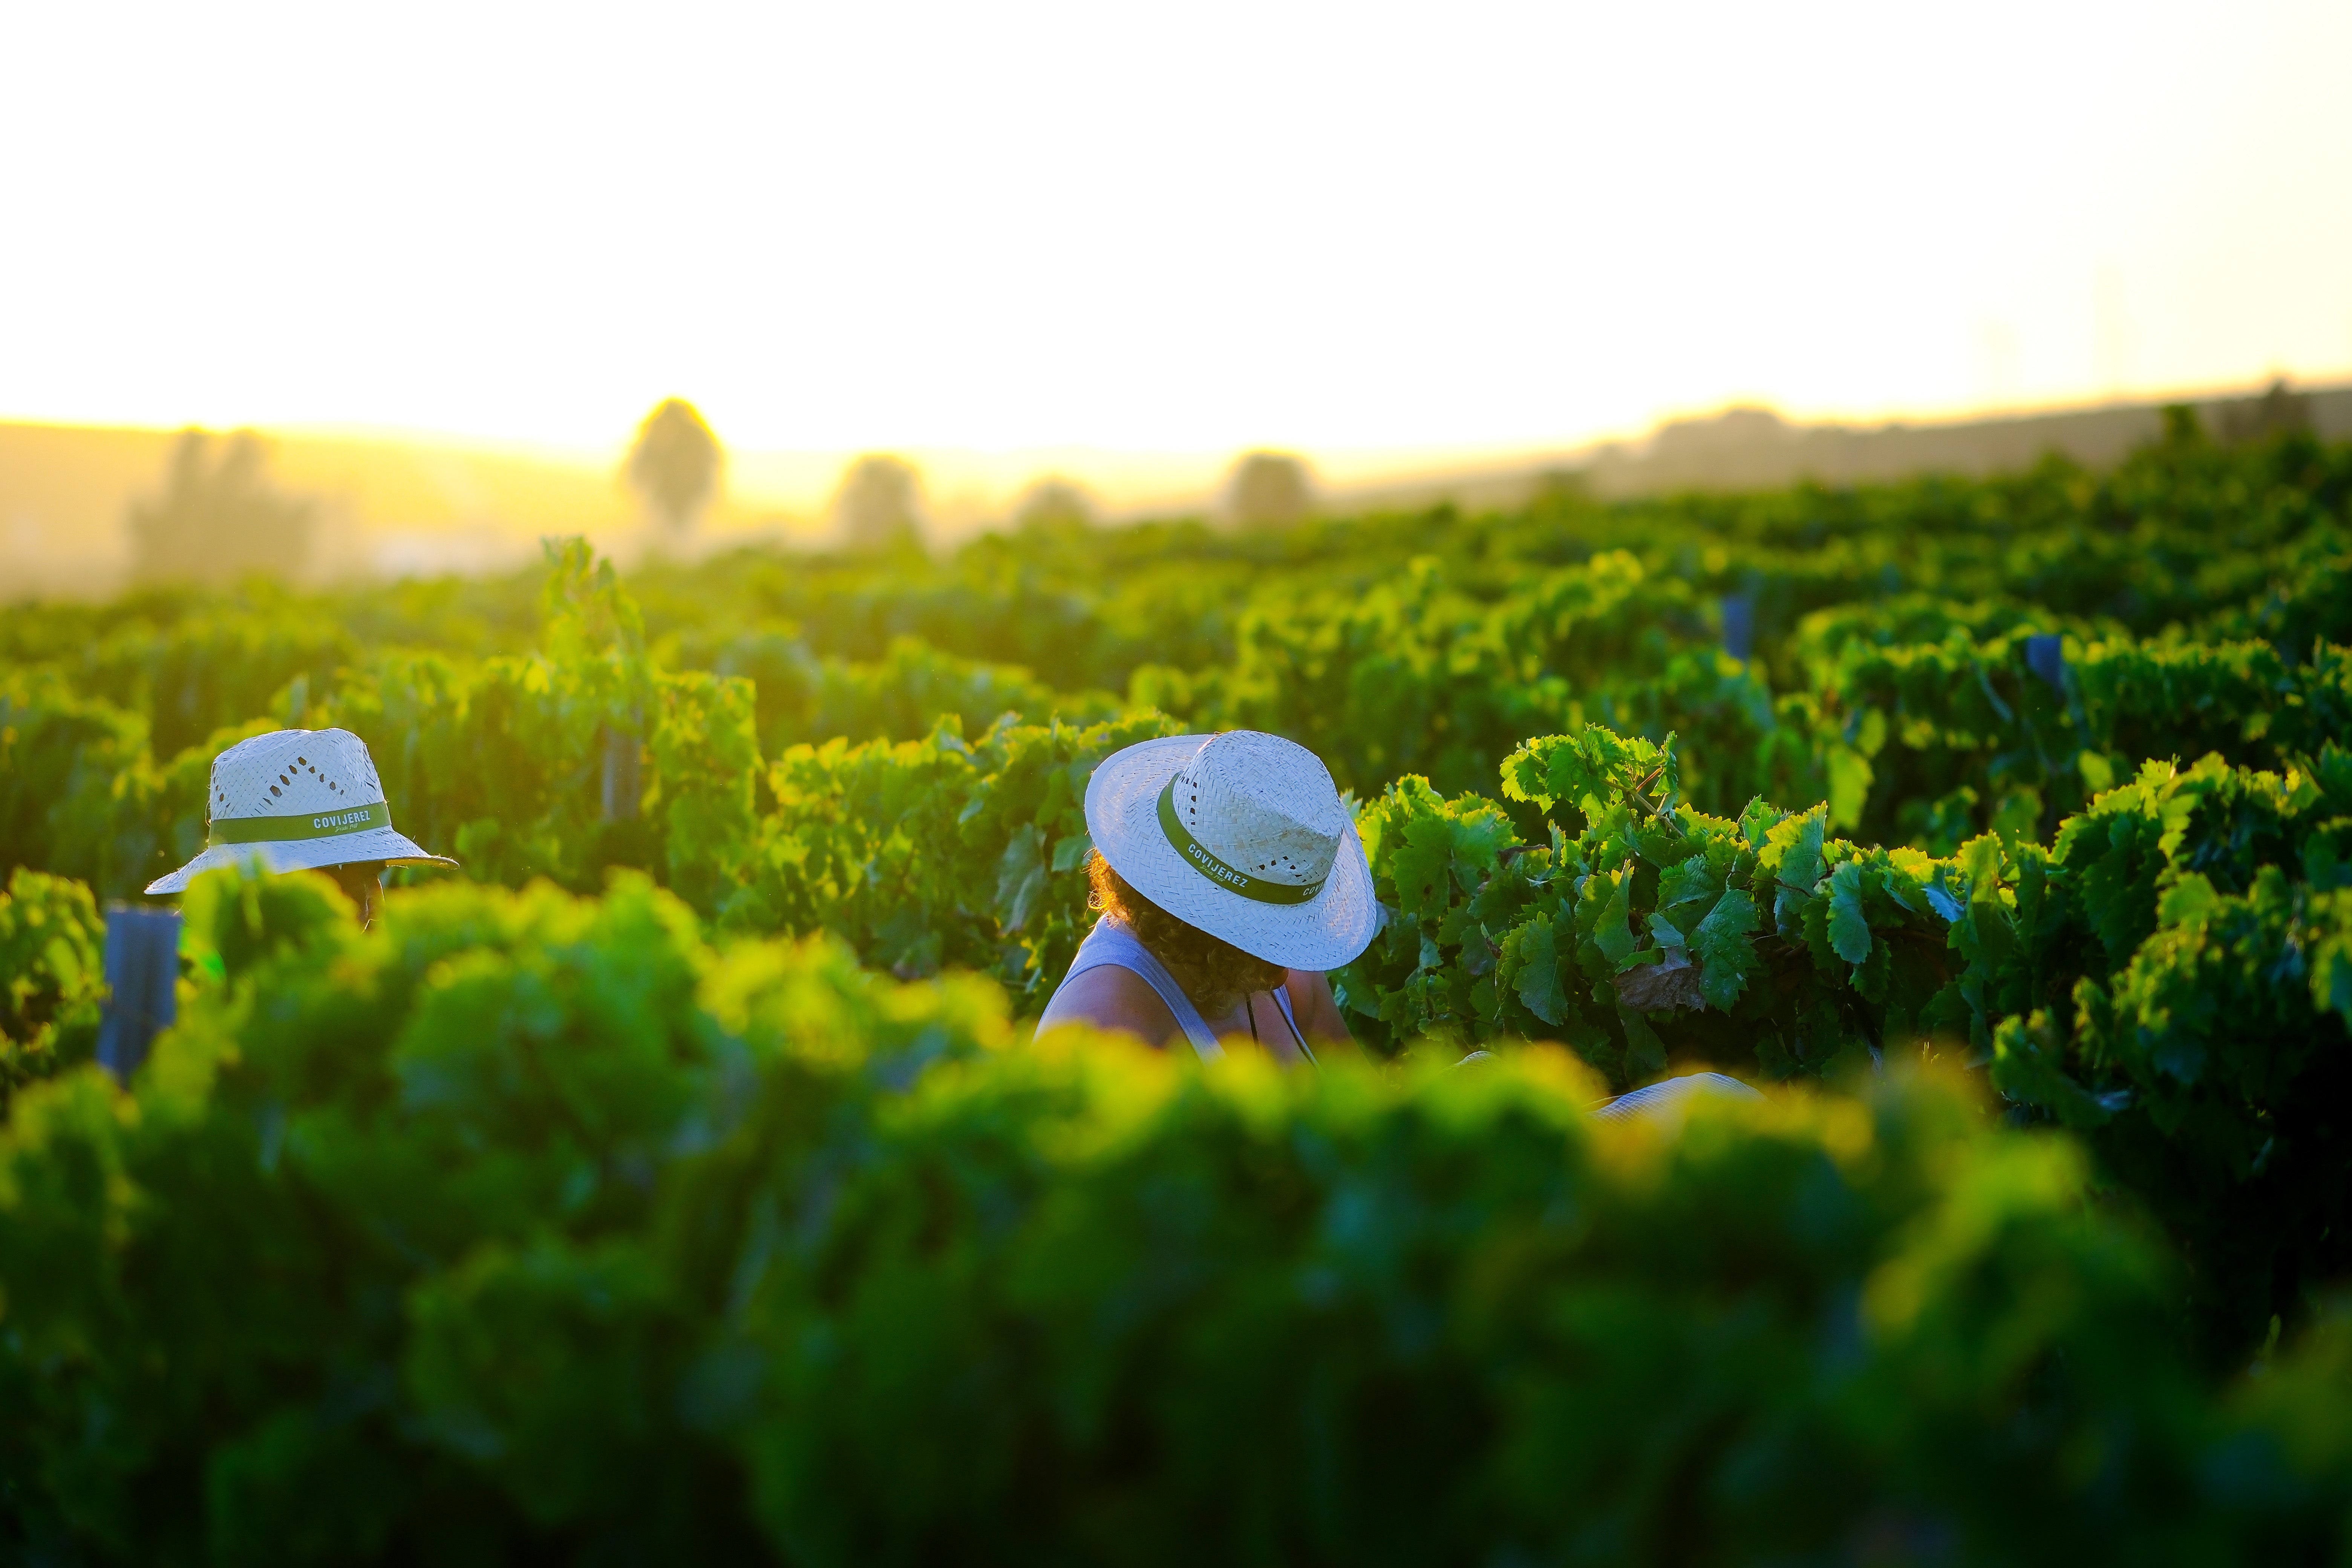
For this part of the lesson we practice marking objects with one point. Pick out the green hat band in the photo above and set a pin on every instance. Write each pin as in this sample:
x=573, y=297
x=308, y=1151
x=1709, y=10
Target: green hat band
x=1233, y=879
x=309, y=825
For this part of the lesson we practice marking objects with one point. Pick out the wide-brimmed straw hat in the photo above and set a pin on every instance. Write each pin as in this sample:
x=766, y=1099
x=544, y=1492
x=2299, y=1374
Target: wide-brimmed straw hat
x=295, y=800
x=1242, y=835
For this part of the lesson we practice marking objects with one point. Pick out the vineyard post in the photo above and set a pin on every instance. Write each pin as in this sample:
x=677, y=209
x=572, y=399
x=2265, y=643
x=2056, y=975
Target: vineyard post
x=2045, y=655
x=624, y=784
x=143, y=972
x=1740, y=625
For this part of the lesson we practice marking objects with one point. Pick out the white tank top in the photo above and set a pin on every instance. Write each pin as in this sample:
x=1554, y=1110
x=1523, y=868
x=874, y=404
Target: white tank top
x=1115, y=943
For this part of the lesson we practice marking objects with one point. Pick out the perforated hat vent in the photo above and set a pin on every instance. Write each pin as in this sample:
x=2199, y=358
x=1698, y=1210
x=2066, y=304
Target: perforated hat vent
x=290, y=770
x=1265, y=805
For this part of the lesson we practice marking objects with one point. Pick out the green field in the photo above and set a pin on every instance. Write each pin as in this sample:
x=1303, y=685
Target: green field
x=678, y=1181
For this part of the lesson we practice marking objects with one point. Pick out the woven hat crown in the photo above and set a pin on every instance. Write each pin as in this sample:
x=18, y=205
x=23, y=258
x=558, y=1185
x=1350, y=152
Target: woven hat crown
x=288, y=772
x=1263, y=805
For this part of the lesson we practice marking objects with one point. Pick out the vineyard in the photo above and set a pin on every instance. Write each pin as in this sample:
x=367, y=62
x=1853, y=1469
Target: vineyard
x=678, y=1181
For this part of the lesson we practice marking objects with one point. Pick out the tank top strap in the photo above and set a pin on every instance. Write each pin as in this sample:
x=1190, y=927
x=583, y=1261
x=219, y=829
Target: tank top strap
x=1114, y=944
x=1282, y=1000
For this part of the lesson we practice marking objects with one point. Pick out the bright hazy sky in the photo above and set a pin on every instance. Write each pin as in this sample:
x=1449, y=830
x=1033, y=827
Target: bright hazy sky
x=1176, y=228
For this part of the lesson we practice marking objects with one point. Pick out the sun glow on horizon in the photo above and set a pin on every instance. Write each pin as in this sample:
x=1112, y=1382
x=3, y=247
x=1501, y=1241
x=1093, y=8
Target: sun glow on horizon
x=1346, y=230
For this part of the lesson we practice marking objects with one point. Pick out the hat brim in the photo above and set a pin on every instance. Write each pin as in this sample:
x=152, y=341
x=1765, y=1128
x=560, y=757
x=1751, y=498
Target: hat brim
x=1325, y=932
x=302, y=855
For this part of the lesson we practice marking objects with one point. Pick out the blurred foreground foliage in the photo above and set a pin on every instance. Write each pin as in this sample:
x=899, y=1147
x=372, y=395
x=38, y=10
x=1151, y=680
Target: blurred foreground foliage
x=533, y=1226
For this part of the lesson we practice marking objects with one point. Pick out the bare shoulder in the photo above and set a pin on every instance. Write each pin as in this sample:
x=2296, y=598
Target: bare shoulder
x=1316, y=1011
x=1110, y=997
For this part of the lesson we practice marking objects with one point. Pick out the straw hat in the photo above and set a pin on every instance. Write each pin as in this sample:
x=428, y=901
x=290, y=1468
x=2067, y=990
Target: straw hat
x=1243, y=835
x=294, y=800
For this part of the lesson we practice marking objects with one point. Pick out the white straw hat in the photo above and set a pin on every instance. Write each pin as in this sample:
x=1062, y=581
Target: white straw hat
x=1243, y=835
x=294, y=800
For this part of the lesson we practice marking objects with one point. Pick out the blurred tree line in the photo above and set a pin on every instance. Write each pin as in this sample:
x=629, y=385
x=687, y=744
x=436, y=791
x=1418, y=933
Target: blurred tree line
x=219, y=517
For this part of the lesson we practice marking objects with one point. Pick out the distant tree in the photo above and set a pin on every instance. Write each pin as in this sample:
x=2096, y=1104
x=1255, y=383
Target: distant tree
x=675, y=465
x=2182, y=426
x=2278, y=412
x=1562, y=485
x=219, y=520
x=879, y=504
x=1053, y=502
x=1269, y=489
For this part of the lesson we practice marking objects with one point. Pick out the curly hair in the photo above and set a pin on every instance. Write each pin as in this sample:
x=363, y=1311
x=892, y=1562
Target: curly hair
x=1213, y=973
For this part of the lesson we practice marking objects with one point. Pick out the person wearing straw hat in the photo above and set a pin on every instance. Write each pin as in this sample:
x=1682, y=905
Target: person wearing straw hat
x=302, y=800
x=1230, y=880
